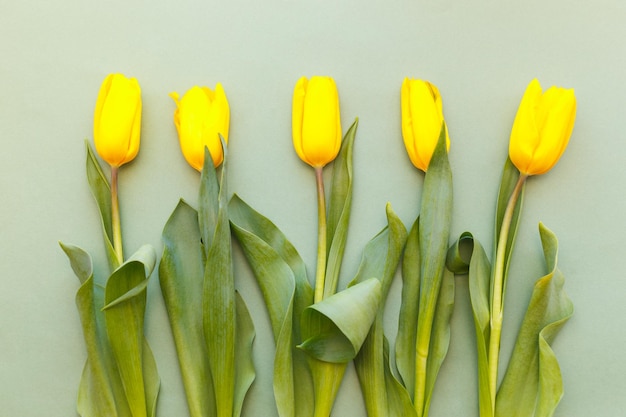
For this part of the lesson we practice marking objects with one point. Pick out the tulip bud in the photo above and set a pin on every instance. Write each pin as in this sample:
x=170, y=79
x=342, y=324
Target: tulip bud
x=422, y=120
x=542, y=128
x=201, y=116
x=315, y=120
x=117, y=119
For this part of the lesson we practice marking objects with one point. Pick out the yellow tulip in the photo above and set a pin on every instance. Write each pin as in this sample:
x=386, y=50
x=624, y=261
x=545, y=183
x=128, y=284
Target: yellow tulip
x=315, y=120
x=542, y=128
x=200, y=117
x=422, y=120
x=117, y=119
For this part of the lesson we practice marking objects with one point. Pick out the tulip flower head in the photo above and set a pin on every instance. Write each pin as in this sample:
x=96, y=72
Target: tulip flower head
x=422, y=120
x=117, y=120
x=542, y=128
x=315, y=120
x=201, y=116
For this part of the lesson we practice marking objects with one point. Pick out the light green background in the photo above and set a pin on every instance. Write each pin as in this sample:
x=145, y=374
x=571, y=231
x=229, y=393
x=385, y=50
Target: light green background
x=480, y=53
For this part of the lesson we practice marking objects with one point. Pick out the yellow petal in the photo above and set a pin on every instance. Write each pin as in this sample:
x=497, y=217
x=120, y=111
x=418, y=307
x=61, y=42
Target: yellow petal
x=297, y=114
x=427, y=121
x=407, y=124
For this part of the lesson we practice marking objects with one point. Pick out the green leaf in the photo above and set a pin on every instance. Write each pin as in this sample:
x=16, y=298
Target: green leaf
x=335, y=328
x=510, y=175
x=244, y=366
x=434, y=229
x=339, y=211
x=218, y=299
x=478, y=269
x=80, y=261
x=440, y=336
x=382, y=254
x=208, y=200
x=398, y=399
x=151, y=378
x=246, y=218
x=382, y=393
x=406, y=339
x=124, y=320
x=100, y=391
x=420, y=352
x=181, y=274
x=273, y=274
x=101, y=191
x=532, y=385
x=281, y=275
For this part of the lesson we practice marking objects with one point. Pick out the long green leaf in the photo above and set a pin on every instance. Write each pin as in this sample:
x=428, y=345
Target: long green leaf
x=151, y=378
x=124, y=318
x=281, y=275
x=101, y=191
x=277, y=284
x=434, y=228
x=339, y=210
x=406, y=339
x=181, y=274
x=510, y=175
x=440, y=336
x=532, y=385
x=380, y=389
x=244, y=366
x=100, y=393
x=219, y=294
x=398, y=399
x=273, y=274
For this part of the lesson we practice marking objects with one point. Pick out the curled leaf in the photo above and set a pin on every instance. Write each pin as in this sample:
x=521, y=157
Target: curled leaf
x=532, y=385
x=335, y=328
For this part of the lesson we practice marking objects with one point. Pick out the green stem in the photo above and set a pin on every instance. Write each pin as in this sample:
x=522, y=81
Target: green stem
x=327, y=379
x=115, y=214
x=497, y=303
x=321, y=236
x=421, y=360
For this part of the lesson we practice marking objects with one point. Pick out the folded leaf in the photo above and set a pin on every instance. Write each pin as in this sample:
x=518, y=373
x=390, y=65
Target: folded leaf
x=532, y=385
x=478, y=269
